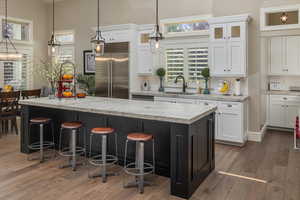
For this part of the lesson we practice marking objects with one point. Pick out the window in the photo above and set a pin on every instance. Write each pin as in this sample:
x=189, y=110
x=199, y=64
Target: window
x=18, y=73
x=197, y=61
x=187, y=60
x=67, y=50
x=195, y=25
x=175, y=63
x=19, y=30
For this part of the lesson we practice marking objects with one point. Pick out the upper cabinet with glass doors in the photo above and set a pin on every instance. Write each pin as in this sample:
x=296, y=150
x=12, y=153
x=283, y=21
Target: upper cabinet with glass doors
x=228, y=46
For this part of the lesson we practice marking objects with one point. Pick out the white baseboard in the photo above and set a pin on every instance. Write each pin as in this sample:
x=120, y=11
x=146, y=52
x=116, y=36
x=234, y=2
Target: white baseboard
x=257, y=136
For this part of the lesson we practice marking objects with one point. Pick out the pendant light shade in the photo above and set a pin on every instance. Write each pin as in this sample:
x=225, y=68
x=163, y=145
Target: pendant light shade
x=98, y=42
x=156, y=36
x=10, y=52
x=53, y=45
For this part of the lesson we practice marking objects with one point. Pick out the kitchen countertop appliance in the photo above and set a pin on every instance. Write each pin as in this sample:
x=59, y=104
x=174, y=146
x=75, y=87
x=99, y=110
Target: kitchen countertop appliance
x=112, y=71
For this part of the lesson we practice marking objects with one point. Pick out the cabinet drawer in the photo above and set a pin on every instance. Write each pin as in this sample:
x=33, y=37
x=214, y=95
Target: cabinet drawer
x=230, y=107
x=284, y=98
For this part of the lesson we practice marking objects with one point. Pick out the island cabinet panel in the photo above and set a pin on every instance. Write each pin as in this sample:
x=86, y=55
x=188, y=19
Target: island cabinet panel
x=183, y=152
x=192, y=160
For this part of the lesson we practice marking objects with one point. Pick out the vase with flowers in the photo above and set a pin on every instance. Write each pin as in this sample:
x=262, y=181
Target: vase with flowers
x=51, y=72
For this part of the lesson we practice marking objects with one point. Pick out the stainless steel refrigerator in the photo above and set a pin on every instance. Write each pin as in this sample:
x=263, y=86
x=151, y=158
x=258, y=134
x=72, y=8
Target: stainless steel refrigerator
x=112, y=71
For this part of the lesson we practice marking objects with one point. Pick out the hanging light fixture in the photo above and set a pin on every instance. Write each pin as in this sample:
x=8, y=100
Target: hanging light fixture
x=53, y=45
x=284, y=18
x=98, y=42
x=8, y=55
x=156, y=36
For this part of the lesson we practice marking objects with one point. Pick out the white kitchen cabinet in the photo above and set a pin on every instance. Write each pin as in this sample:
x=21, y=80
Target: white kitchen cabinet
x=145, y=57
x=228, y=46
x=230, y=120
x=145, y=60
x=283, y=110
x=284, y=55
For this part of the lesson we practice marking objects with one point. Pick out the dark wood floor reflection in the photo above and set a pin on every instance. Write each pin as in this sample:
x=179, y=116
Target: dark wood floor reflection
x=274, y=161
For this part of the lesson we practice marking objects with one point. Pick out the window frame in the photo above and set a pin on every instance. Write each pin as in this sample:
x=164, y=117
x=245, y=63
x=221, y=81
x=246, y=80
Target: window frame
x=22, y=21
x=185, y=44
x=188, y=19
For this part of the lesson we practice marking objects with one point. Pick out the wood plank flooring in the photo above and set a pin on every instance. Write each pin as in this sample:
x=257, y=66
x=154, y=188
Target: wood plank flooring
x=273, y=161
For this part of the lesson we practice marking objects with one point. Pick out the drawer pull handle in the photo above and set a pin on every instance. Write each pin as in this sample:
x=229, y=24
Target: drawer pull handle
x=229, y=106
x=206, y=104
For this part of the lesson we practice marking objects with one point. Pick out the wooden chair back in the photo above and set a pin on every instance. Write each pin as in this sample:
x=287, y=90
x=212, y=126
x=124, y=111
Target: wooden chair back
x=9, y=103
x=27, y=94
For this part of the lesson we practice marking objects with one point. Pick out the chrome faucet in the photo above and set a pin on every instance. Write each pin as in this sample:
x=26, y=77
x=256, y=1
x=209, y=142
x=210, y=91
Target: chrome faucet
x=184, y=84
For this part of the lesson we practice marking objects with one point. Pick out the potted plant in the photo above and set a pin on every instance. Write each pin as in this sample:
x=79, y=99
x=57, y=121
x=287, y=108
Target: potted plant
x=87, y=83
x=50, y=72
x=161, y=72
x=206, y=75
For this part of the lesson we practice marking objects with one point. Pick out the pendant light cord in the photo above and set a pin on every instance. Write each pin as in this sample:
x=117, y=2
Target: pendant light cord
x=53, y=18
x=157, y=20
x=98, y=23
x=6, y=31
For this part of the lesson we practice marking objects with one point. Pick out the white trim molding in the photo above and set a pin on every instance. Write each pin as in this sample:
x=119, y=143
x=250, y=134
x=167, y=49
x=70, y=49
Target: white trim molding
x=231, y=19
x=288, y=8
x=257, y=136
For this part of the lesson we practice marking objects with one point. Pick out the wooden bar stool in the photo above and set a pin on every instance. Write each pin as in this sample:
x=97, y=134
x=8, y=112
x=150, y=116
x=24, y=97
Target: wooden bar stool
x=139, y=168
x=73, y=150
x=103, y=160
x=41, y=145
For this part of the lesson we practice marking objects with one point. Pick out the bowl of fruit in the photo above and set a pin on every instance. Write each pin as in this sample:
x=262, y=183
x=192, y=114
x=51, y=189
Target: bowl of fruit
x=81, y=95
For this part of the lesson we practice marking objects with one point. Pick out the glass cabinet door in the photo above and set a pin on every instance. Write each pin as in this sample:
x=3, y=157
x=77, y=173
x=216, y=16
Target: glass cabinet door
x=218, y=32
x=236, y=31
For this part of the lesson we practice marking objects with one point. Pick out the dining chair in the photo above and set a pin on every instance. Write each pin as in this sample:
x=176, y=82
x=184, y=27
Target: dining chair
x=9, y=110
x=27, y=94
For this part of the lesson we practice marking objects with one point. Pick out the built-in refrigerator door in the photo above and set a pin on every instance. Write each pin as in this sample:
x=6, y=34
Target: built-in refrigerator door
x=103, y=76
x=120, y=76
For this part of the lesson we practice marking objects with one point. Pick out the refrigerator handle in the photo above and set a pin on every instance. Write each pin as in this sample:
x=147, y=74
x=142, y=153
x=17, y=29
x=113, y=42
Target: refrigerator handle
x=111, y=78
x=108, y=78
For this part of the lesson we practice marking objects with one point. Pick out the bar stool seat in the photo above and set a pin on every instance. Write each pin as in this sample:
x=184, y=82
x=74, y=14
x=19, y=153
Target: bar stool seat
x=40, y=120
x=71, y=125
x=102, y=131
x=142, y=137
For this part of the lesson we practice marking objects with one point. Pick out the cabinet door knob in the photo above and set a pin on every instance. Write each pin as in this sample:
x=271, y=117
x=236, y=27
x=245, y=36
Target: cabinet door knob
x=284, y=98
x=229, y=105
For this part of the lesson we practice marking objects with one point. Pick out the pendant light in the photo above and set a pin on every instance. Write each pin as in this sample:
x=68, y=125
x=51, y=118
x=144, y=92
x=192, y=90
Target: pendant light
x=53, y=45
x=156, y=36
x=7, y=55
x=98, y=42
x=284, y=18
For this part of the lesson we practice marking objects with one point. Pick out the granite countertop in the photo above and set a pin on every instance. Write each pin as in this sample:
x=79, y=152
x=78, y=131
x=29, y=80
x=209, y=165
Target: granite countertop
x=160, y=111
x=212, y=97
x=283, y=92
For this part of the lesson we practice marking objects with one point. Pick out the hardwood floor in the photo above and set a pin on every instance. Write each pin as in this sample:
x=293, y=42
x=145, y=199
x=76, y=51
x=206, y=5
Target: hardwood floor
x=273, y=161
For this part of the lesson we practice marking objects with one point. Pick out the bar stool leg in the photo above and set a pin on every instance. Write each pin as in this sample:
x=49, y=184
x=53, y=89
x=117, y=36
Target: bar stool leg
x=141, y=166
x=73, y=147
x=41, y=143
x=104, y=145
